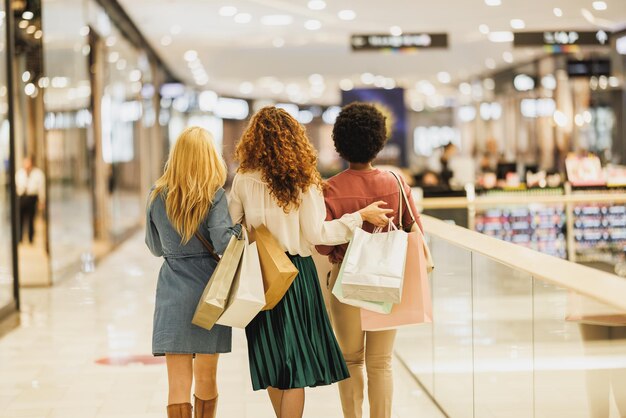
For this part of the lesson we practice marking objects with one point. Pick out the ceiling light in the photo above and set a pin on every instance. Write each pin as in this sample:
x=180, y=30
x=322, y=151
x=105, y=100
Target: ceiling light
x=166, y=40
x=444, y=77
x=317, y=4
x=518, y=24
x=25, y=76
x=390, y=83
x=379, y=81
x=523, y=82
x=489, y=84
x=30, y=89
x=613, y=81
x=246, y=87
x=426, y=88
x=465, y=88
x=549, y=82
x=600, y=5
x=191, y=55
x=276, y=20
x=113, y=57
x=347, y=14
x=367, y=78
x=27, y=15
x=111, y=41
x=38, y=34
x=31, y=29
x=484, y=29
x=243, y=18
x=278, y=42
x=175, y=30
x=23, y=24
x=228, y=11
x=493, y=2
x=121, y=64
x=557, y=12
x=84, y=31
x=490, y=63
x=507, y=57
x=560, y=119
x=504, y=36
x=316, y=79
x=395, y=30
x=312, y=24
x=346, y=84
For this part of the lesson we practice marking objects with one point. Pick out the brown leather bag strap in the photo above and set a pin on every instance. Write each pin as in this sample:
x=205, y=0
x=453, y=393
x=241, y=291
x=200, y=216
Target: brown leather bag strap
x=208, y=246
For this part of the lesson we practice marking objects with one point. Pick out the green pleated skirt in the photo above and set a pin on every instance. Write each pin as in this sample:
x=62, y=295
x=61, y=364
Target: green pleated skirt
x=293, y=345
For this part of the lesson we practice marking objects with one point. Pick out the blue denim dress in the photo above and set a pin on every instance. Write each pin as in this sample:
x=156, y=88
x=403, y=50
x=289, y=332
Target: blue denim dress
x=184, y=275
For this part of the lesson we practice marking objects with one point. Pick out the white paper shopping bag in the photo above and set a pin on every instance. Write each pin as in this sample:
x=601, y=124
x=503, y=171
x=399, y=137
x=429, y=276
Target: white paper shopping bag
x=373, y=270
x=247, y=297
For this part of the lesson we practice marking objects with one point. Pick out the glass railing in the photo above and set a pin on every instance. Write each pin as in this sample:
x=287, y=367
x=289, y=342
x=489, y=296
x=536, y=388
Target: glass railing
x=517, y=333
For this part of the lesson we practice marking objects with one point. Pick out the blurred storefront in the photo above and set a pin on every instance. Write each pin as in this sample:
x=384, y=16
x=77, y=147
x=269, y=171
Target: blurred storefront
x=85, y=109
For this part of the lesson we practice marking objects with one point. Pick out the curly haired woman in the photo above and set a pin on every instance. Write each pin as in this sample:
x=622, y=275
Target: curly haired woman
x=291, y=346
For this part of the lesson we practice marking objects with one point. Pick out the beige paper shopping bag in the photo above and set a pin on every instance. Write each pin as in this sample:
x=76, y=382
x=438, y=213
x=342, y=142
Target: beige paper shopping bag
x=217, y=291
x=278, y=270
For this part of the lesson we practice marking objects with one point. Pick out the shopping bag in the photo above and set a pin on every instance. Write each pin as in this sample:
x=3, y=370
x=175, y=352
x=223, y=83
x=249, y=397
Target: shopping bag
x=277, y=269
x=379, y=307
x=247, y=296
x=416, y=304
x=374, y=268
x=216, y=293
x=430, y=263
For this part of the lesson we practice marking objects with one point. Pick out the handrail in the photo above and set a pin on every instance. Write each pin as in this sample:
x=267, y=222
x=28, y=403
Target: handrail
x=463, y=202
x=604, y=287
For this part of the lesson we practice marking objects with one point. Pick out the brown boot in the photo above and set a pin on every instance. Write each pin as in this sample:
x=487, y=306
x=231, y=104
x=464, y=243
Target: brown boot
x=179, y=410
x=205, y=409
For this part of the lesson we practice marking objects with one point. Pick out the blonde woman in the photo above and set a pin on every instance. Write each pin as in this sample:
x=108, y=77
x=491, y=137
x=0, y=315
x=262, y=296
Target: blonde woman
x=292, y=346
x=187, y=200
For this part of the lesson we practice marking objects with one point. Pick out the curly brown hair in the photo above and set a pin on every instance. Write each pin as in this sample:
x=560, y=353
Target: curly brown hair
x=276, y=144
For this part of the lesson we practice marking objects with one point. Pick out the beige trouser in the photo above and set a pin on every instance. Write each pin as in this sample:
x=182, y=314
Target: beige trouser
x=374, y=349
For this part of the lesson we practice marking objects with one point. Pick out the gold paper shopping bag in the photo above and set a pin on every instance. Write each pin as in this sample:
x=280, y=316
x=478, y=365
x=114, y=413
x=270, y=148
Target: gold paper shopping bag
x=278, y=270
x=217, y=291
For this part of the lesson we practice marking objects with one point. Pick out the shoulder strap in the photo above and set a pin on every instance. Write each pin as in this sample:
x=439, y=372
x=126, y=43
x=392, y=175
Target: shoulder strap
x=403, y=197
x=208, y=246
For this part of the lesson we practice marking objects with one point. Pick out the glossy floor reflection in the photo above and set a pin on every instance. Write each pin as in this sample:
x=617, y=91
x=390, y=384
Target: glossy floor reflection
x=48, y=365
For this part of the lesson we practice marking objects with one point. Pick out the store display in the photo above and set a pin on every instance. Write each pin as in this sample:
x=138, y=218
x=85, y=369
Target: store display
x=540, y=227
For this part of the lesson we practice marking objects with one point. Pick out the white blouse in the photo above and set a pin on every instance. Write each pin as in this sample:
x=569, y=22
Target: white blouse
x=297, y=231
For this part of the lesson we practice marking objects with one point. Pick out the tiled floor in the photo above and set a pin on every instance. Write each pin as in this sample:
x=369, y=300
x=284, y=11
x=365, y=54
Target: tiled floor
x=48, y=369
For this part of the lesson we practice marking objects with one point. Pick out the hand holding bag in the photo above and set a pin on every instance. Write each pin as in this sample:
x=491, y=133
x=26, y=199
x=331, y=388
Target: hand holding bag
x=216, y=293
x=416, y=304
x=278, y=270
x=373, y=270
x=247, y=296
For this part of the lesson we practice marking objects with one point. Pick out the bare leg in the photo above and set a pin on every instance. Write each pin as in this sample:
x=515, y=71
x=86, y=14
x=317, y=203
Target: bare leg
x=276, y=396
x=205, y=376
x=179, y=377
x=292, y=405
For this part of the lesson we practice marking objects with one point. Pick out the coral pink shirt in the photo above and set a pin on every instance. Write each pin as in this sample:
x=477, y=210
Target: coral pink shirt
x=352, y=190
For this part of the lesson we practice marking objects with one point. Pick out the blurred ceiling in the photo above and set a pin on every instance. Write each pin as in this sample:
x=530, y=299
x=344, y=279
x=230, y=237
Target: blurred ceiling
x=242, y=55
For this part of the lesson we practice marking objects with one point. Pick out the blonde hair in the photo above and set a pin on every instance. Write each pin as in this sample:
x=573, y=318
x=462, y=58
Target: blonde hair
x=194, y=173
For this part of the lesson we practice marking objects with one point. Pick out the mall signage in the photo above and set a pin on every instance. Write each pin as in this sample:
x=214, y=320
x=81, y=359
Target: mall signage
x=406, y=41
x=562, y=40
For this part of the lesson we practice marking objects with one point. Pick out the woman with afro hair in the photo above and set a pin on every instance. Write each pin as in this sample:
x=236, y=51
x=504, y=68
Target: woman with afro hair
x=291, y=346
x=359, y=134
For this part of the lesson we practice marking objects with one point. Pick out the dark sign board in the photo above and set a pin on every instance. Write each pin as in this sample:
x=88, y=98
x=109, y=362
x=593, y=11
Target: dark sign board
x=561, y=38
x=375, y=42
x=589, y=68
x=391, y=104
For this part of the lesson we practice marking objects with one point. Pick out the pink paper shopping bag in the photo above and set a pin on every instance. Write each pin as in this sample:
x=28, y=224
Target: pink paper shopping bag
x=415, y=306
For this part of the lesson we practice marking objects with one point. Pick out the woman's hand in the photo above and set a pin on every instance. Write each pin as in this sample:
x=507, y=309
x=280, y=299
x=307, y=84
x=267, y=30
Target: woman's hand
x=376, y=215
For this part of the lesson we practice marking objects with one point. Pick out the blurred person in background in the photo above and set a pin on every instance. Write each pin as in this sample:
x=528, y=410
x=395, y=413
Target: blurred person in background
x=188, y=199
x=291, y=346
x=449, y=152
x=30, y=183
x=359, y=135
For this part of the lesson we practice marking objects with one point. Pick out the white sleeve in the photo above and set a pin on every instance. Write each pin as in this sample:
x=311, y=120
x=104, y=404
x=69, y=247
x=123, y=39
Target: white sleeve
x=316, y=229
x=235, y=206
